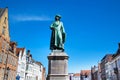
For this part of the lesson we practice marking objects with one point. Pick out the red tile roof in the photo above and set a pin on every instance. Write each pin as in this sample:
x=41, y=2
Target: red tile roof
x=85, y=72
x=77, y=74
x=18, y=51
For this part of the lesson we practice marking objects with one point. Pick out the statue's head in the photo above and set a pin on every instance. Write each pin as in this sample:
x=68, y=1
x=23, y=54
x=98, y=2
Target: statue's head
x=57, y=17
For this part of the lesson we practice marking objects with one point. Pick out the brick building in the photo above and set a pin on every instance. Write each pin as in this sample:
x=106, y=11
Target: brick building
x=114, y=70
x=85, y=75
x=94, y=73
x=43, y=73
x=112, y=67
x=8, y=58
x=105, y=59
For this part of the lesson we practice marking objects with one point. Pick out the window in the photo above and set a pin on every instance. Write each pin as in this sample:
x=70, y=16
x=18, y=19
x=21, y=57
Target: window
x=22, y=65
x=3, y=30
x=119, y=63
x=1, y=73
x=5, y=20
x=27, y=67
x=7, y=46
x=4, y=56
x=22, y=74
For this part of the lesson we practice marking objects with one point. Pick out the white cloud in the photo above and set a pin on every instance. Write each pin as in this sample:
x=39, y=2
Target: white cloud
x=30, y=18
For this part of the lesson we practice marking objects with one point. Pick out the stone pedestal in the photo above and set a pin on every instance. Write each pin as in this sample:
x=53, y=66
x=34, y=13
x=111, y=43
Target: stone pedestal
x=58, y=65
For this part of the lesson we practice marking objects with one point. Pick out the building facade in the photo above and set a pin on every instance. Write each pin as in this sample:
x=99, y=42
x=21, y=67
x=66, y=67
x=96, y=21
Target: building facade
x=43, y=73
x=8, y=58
x=108, y=71
x=105, y=59
x=99, y=72
x=85, y=75
x=113, y=67
x=34, y=70
x=21, y=69
x=94, y=73
x=76, y=76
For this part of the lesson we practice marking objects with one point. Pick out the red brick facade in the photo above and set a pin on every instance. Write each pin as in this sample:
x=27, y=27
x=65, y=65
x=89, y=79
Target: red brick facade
x=8, y=59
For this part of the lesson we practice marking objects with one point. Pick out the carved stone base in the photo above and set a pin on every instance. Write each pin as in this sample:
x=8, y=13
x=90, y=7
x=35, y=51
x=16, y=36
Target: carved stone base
x=58, y=66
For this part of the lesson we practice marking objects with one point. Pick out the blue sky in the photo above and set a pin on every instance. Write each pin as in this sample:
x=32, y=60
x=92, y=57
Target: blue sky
x=92, y=27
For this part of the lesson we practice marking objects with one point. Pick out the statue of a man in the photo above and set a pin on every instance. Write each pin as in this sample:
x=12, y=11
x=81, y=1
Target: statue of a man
x=58, y=34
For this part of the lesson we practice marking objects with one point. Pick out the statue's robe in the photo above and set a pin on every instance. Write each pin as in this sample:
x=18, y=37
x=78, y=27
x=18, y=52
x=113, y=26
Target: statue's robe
x=58, y=35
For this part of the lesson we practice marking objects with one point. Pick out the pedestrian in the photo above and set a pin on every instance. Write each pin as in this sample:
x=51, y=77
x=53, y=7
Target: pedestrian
x=18, y=77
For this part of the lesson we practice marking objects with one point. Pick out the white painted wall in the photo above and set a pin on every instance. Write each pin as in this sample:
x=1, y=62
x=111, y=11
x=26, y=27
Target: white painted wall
x=34, y=72
x=21, y=65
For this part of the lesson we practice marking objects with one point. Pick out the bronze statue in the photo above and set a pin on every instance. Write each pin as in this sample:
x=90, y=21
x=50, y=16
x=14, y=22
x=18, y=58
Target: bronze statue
x=58, y=34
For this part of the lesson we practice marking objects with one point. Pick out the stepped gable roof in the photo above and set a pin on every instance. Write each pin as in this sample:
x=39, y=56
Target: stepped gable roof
x=18, y=51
